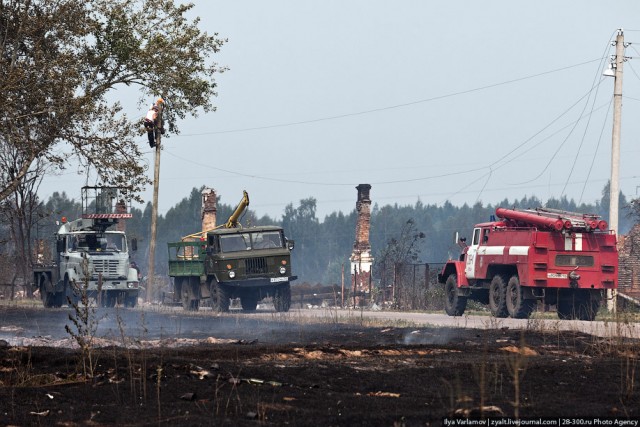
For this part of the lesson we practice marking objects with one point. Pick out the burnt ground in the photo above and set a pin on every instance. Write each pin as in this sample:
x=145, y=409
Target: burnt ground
x=325, y=375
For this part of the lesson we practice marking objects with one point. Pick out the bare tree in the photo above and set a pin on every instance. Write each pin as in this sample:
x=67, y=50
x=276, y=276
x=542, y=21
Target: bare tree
x=389, y=264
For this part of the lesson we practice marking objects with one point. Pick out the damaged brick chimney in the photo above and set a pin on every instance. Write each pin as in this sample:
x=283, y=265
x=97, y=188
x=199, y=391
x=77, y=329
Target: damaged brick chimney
x=121, y=208
x=209, y=208
x=361, y=259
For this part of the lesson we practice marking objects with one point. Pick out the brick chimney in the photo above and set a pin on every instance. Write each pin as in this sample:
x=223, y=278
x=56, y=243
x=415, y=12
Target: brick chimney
x=361, y=259
x=121, y=208
x=209, y=208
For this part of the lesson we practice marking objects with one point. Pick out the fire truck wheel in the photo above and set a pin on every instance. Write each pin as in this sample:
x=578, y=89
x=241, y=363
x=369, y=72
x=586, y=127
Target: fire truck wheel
x=219, y=297
x=282, y=298
x=498, y=296
x=517, y=305
x=454, y=303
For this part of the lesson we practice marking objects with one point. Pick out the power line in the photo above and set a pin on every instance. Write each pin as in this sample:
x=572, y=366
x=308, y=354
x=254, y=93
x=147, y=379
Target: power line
x=595, y=77
x=291, y=181
x=593, y=159
x=374, y=110
x=542, y=130
x=423, y=178
x=557, y=150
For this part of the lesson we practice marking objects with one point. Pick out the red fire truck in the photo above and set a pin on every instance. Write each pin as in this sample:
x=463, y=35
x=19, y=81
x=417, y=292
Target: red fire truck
x=560, y=258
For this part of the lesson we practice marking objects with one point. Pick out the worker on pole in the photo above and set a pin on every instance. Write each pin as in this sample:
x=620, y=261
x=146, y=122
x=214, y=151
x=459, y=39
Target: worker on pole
x=152, y=122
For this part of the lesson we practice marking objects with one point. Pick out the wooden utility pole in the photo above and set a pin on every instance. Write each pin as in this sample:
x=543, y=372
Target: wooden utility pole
x=154, y=207
x=614, y=193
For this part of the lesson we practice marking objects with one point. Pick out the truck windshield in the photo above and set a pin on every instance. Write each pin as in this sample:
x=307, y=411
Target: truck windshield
x=93, y=242
x=235, y=242
x=266, y=240
x=249, y=241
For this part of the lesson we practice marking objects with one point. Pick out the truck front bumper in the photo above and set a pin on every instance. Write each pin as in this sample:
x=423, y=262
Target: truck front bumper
x=259, y=282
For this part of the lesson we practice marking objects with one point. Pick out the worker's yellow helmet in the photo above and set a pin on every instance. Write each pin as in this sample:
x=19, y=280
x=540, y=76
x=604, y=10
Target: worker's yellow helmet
x=160, y=101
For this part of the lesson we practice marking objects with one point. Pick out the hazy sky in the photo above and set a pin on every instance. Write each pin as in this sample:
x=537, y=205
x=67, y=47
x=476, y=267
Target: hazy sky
x=425, y=100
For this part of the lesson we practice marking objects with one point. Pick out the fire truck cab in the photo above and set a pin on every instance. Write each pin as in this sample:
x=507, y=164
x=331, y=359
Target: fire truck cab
x=560, y=258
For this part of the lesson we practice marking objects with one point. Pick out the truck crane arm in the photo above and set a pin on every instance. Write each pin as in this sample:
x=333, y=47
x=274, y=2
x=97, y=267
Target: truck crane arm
x=232, y=222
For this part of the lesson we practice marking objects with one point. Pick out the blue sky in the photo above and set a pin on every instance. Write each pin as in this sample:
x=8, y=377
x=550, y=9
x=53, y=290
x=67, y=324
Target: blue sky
x=421, y=99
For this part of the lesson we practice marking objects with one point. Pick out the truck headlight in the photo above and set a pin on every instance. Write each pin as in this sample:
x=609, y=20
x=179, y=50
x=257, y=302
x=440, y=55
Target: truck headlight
x=283, y=270
x=232, y=274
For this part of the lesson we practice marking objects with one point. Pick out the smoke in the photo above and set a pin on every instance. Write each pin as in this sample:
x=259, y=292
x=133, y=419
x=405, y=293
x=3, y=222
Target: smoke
x=169, y=326
x=438, y=336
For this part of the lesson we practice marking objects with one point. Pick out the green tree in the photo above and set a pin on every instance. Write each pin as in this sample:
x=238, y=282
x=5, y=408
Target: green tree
x=302, y=225
x=625, y=208
x=60, y=61
x=336, y=237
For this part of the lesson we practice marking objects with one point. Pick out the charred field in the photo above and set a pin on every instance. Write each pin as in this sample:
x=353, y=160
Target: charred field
x=322, y=373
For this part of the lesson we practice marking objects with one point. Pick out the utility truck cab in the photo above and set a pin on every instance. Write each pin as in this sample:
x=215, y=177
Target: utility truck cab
x=90, y=257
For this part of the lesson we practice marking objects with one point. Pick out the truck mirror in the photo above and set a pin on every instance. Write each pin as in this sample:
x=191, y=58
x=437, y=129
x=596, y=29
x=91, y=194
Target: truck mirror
x=134, y=245
x=290, y=244
x=60, y=246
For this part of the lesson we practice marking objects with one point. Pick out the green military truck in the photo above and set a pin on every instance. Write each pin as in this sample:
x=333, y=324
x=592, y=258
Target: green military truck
x=233, y=262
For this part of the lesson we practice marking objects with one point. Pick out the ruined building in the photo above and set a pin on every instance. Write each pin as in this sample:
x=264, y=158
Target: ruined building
x=629, y=264
x=361, y=259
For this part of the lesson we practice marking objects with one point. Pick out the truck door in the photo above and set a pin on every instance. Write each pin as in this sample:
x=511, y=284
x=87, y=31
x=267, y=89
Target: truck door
x=470, y=266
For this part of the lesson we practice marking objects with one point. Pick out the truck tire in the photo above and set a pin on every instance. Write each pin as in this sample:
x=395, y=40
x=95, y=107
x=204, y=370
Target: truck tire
x=220, y=300
x=59, y=299
x=282, y=298
x=46, y=296
x=69, y=290
x=454, y=303
x=517, y=306
x=498, y=296
x=48, y=299
x=189, y=296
